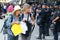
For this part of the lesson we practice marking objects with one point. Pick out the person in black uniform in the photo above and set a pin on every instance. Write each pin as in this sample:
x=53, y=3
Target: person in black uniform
x=56, y=18
x=42, y=20
x=48, y=15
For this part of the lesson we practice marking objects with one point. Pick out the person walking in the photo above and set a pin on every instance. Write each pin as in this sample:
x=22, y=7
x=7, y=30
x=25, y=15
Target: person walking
x=14, y=18
x=29, y=20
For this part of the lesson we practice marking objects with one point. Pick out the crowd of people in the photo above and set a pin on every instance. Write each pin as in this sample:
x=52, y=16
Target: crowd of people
x=46, y=16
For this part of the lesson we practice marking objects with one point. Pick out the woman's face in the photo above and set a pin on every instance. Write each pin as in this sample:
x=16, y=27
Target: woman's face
x=17, y=12
x=28, y=9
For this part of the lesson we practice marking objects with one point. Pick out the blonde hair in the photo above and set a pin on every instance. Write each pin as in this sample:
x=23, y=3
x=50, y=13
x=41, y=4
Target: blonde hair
x=25, y=6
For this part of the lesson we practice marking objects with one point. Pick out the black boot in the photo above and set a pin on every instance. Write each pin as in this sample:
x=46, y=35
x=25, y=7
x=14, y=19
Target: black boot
x=39, y=38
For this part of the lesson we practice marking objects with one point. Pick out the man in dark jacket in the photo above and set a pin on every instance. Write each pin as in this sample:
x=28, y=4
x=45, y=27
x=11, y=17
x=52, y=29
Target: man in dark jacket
x=42, y=21
x=48, y=15
x=56, y=21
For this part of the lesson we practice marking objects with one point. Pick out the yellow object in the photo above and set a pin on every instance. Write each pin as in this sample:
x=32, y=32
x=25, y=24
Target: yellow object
x=16, y=29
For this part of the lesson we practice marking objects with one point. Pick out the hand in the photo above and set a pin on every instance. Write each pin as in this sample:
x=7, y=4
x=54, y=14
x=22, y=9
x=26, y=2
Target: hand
x=13, y=23
x=33, y=23
x=24, y=20
x=54, y=22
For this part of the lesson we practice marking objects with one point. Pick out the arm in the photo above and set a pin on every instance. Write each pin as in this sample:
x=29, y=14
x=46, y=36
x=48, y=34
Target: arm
x=32, y=17
x=55, y=19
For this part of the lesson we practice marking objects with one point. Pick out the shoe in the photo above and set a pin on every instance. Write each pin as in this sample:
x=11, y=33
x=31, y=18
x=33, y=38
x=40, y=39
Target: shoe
x=47, y=35
x=43, y=39
x=38, y=38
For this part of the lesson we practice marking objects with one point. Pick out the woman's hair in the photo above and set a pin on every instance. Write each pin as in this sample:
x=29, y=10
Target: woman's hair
x=25, y=6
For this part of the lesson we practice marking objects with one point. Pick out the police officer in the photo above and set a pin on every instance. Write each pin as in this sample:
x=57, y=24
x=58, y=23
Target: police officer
x=38, y=10
x=48, y=15
x=42, y=17
x=56, y=21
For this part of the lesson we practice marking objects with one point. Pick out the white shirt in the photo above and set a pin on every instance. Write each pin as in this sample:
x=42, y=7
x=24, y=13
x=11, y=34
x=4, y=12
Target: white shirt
x=26, y=17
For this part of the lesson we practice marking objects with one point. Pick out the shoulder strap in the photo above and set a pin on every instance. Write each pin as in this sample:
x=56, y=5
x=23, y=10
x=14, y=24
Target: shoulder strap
x=21, y=17
x=28, y=16
x=11, y=18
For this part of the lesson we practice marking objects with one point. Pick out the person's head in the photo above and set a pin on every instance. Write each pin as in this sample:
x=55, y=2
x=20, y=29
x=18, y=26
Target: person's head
x=26, y=8
x=10, y=8
x=39, y=5
x=17, y=10
x=44, y=6
x=56, y=7
x=48, y=5
x=33, y=5
x=5, y=3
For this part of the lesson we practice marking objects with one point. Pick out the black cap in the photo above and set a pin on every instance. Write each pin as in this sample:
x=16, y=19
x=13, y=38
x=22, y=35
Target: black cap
x=56, y=4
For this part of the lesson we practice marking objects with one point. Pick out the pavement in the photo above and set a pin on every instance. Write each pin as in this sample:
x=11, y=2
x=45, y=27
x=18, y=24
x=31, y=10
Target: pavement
x=34, y=35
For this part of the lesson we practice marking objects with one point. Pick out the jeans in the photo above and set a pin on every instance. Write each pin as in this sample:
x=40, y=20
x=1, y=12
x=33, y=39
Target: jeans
x=12, y=37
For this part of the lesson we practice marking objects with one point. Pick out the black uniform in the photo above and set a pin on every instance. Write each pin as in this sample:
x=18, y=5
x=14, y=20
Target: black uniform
x=55, y=32
x=48, y=15
x=42, y=18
